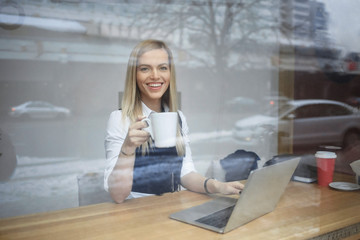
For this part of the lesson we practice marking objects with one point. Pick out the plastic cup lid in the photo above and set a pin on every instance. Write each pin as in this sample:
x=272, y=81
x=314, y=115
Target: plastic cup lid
x=325, y=154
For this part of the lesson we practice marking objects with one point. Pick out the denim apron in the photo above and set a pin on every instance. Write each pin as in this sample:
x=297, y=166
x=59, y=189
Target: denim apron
x=158, y=171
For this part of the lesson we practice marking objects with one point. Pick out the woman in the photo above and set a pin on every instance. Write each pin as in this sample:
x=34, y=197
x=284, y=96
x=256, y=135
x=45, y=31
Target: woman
x=135, y=168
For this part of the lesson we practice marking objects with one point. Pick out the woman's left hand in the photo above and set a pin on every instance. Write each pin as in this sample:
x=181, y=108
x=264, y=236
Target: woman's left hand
x=196, y=182
x=228, y=187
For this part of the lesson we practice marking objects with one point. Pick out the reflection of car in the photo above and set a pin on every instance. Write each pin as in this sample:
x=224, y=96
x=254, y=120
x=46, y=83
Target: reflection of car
x=354, y=101
x=249, y=105
x=352, y=62
x=274, y=101
x=315, y=122
x=241, y=103
x=39, y=109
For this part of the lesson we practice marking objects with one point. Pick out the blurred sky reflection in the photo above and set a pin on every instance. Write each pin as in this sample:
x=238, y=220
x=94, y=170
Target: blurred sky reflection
x=344, y=24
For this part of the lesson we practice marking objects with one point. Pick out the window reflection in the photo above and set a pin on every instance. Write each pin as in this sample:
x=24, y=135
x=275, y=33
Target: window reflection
x=253, y=75
x=38, y=109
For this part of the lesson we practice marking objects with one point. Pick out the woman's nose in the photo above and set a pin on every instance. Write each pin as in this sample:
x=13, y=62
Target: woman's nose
x=154, y=74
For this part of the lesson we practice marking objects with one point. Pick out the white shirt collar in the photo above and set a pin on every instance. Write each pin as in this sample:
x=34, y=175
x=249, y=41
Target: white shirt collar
x=146, y=110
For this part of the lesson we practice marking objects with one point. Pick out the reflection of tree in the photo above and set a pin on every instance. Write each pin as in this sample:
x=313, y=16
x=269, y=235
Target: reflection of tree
x=210, y=31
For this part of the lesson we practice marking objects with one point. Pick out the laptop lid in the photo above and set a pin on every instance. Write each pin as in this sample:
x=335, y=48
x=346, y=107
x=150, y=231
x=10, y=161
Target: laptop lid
x=260, y=195
x=262, y=192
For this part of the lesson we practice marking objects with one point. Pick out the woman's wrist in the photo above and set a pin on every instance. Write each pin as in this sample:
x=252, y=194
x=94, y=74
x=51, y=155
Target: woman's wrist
x=206, y=185
x=128, y=152
x=210, y=186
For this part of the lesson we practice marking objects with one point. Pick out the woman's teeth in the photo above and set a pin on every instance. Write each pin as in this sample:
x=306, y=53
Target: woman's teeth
x=155, y=84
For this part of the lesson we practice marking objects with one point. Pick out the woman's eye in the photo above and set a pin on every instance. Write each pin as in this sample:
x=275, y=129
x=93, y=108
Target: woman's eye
x=144, y=69
x=164, y=68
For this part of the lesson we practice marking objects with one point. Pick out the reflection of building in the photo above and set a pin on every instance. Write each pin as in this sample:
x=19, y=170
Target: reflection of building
x=295, y=19
x=54, y=51
x=307, y=43
x=320, y=22
x=70, y=32
x=305, y=20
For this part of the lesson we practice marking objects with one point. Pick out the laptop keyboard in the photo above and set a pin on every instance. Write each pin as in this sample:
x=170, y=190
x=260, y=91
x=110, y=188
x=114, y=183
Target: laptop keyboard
x=217, y=219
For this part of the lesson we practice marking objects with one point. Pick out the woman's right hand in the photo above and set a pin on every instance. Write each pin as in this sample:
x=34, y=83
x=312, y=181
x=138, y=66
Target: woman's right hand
x=135, y=136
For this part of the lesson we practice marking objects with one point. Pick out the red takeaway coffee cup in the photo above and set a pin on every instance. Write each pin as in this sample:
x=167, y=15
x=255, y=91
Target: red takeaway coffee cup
x=325, y=167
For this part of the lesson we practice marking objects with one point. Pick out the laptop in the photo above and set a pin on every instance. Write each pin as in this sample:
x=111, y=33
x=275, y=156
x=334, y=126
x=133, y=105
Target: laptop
x=305, y=172
x=260, y=196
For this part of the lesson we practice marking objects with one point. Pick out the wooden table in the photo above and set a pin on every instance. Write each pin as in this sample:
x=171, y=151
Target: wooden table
x=305, y=211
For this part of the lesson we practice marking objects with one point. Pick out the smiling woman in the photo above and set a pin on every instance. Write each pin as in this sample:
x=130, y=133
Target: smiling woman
x=135, y=167
x=153, y=77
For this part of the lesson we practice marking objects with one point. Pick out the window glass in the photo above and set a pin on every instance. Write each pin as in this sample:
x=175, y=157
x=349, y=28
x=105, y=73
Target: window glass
x=241, y=66
x=321, y=110
x=334, y=110
x=305, y=112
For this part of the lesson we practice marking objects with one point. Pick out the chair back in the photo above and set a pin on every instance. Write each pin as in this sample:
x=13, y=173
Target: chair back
x=235, y=166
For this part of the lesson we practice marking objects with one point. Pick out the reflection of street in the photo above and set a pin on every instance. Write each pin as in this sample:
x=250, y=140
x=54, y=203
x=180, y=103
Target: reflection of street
x=44, y=184
x=39, y=109
x=58, y=138
x=50, y=156
x=314, y=122
x=211, y=137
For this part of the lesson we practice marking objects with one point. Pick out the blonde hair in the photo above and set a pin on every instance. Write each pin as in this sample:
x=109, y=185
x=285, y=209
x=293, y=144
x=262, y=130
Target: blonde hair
x=131, y=101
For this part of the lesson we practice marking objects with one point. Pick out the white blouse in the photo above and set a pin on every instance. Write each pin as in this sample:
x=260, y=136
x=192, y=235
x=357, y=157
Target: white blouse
x=116, y=132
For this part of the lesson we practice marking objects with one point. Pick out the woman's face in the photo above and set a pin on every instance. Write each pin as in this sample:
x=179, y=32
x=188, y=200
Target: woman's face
x=153, y=75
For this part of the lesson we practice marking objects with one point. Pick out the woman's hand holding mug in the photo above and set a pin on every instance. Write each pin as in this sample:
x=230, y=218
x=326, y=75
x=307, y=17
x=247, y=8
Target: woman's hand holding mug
x=162, y=128
x=135, y=136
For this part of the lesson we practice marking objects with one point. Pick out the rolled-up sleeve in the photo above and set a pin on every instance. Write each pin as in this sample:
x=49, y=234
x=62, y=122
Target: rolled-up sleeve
x=114, y=138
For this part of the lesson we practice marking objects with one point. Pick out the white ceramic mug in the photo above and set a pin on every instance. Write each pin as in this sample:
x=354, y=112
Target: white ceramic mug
x=162, y=128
